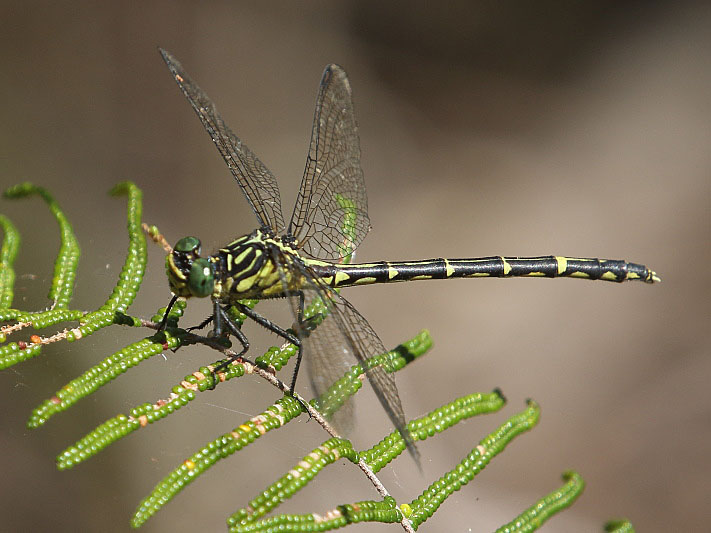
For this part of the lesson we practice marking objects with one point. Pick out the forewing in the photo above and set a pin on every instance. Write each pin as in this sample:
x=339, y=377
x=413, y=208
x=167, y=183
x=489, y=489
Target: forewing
x=256, y=181
x=331, y=212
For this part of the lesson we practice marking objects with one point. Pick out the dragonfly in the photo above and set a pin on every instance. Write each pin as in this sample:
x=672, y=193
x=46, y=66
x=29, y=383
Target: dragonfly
x=307, y=261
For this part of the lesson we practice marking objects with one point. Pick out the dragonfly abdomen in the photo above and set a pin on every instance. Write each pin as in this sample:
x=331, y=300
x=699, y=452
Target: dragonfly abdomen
x=496, y=267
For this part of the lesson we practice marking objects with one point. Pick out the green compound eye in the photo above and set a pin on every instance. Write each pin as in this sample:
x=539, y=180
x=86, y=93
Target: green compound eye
x=187, y=245
x=201, y=279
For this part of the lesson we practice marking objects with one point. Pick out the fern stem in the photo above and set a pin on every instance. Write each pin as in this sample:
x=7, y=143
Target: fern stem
x=536, y=515
x=429, y=501
x=65, y=266
x=8, y=253
x=619, y=526
x=132, y=272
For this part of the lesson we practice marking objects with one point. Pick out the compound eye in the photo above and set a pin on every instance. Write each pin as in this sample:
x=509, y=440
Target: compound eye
x=201, y=279
x=185, y=252
x=188, y=245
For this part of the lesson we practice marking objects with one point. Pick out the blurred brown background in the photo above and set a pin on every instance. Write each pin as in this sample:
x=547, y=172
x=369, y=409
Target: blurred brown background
x=578, y=128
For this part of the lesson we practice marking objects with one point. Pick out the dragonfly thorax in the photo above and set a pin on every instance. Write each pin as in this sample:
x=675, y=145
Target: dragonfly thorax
x=245, y=268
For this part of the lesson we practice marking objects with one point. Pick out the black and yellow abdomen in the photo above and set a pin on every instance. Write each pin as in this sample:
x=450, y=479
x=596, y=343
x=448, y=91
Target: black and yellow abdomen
x=337, y=275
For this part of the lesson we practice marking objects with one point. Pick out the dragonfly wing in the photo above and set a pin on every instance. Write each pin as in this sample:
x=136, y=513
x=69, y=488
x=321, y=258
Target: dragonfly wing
x=330, y=217
x=341, y=338
x=325, y=365
x=256, y=181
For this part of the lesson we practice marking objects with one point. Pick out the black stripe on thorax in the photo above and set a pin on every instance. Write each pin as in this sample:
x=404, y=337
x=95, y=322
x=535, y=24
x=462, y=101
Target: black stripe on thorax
x=242, y=260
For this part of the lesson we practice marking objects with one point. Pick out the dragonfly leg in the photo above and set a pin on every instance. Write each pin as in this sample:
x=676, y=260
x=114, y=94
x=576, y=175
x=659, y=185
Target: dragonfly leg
x=300, y=330
x=170, y=305
x=303, y=328
x=271, y=326
x=268, y=324
x=202, y=324
x=220, y=317
x=217, y=317
x=284, y=334
x=310, y=324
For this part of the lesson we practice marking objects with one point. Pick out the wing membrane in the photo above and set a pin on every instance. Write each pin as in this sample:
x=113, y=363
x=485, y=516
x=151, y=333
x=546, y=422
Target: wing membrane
x=342, y=339
x=332, y=176
x=256, y=181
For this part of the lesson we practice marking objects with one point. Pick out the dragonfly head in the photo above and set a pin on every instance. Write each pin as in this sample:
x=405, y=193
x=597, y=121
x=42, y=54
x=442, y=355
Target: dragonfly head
x=188, y=273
